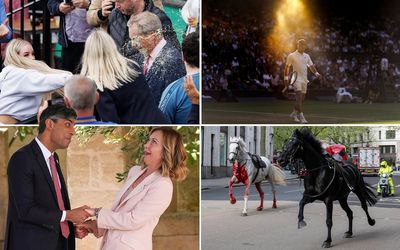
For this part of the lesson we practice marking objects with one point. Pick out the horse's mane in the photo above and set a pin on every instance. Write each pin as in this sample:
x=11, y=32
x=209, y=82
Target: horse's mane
x=240, y=141
x=310, y=138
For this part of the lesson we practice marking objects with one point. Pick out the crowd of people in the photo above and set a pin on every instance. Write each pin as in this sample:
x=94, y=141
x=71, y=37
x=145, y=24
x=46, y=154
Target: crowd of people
x=237, y=53
x=128, y=49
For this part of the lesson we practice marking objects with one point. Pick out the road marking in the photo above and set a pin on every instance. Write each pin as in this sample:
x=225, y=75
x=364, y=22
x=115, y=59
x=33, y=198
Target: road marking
x=291, y=191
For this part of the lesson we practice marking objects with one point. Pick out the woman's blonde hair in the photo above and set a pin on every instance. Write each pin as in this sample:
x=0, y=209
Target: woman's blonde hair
x=102, y=62
x=174, y=154
x=13, y=58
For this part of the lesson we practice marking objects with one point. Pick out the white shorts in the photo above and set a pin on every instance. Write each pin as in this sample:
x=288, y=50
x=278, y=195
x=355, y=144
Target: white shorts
x=300, y=86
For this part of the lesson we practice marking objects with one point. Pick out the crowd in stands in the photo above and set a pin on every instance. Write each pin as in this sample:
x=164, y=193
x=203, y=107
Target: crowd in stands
x=127, y=49
x=237, y=54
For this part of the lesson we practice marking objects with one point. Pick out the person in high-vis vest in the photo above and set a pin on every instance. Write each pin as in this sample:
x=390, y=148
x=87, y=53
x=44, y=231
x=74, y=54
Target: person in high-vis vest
x=386, y=169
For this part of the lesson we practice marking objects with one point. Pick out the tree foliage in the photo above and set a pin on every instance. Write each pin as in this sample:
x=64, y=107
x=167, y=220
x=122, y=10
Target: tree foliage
x=344, y=135
x=133, y=139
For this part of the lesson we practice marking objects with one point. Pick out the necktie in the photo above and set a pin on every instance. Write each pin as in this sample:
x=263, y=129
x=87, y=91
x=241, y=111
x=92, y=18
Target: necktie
x=146, y=65
x=57, y=187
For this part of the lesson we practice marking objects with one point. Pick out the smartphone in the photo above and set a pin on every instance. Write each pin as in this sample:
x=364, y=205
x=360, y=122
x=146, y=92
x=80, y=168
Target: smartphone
x=112, y=6
x=56, y=101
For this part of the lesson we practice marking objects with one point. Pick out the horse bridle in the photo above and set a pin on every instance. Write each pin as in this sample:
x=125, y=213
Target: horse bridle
x=236, y=153
x=299, y=146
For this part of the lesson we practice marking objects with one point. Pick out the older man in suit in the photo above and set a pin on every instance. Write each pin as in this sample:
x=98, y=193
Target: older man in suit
x=39, y=215
x=163, y=61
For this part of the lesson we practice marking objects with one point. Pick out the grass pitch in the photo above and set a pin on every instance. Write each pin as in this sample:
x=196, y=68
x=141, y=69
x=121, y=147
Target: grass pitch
x=271, y=111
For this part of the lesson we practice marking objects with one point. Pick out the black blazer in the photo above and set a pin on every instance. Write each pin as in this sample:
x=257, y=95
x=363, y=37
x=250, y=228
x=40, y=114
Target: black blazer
x=131, y=103
x=33, y=220
x=166, y=68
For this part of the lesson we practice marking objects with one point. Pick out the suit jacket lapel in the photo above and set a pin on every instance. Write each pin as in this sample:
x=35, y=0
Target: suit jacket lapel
x=149, y=179
x=127, y=184
x=43, y=166
x=157, y=62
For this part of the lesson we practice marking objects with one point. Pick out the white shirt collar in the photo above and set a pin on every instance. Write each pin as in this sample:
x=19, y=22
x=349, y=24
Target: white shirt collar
x=154, y=53
x=46, y=153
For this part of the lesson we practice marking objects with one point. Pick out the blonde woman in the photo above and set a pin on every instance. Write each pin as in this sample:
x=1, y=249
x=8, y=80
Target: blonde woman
x=23, y=82
x=125, y=96
x=147, y=193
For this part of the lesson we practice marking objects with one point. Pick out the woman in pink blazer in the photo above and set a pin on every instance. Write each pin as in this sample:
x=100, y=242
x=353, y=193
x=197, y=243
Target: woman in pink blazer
x=146, y=194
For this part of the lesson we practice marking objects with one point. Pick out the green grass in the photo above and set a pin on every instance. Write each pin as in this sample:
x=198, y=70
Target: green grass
x=269, y=111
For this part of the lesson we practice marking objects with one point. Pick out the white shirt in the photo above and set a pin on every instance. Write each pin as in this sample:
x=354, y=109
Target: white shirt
x=300, y=63
x=154, y=53
x=46, y=154
x=21, y=90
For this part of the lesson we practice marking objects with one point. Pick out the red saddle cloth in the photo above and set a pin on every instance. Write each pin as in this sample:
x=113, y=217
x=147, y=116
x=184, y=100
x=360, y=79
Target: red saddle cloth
x=239, y=171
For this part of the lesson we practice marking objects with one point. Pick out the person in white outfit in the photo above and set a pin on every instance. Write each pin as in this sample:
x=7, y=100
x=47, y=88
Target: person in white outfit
x=301, y=62
x=342, y=94
x=190, y=14
x=24, y=81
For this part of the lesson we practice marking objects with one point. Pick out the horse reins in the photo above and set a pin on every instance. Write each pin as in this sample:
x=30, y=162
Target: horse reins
x=315, y=169
x=327, y=187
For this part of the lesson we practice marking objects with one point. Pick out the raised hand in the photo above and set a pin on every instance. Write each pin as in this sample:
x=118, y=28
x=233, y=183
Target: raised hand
x=106, y=7
x=65, y=8
x=77, y=215
x=191, y=90
x=4, y=30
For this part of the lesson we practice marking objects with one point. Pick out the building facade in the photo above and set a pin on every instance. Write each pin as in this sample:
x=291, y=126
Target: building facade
x=387, y=138
x=215, y=147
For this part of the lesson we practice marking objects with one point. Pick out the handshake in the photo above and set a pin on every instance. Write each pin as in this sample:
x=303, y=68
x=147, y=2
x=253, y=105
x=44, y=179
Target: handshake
x=83, y=225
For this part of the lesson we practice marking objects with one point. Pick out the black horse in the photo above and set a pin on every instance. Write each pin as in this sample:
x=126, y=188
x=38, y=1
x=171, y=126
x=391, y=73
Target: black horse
x=326, y=179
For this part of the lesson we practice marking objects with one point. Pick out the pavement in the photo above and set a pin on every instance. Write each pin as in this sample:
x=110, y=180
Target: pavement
x=276, y=229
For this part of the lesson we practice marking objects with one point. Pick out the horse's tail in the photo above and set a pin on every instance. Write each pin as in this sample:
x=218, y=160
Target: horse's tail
x=277, y=176
x=367, y=193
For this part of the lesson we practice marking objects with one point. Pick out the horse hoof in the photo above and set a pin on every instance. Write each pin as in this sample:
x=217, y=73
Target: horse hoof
x=371, y=222
x=301, y=224
x=244, y=214
x=233, y=201
x=326, y=244
x=259, y=208
x=347, y=235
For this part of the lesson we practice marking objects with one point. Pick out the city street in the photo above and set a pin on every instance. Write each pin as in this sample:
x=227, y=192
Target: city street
x=224, y=228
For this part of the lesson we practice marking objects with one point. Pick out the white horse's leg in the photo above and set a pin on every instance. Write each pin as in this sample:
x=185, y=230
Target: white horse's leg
x=261, y=193
x=273, y=192
x=231, y=181
x=246, y=198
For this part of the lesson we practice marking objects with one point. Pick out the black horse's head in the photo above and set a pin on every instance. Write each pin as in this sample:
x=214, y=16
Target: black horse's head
x=291, y=149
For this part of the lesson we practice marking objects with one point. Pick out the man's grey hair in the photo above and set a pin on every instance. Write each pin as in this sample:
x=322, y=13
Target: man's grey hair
x=146, y=22
x=81, y=92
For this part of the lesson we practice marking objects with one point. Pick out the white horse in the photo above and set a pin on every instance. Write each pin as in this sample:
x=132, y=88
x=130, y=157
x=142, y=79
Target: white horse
x=244, y=171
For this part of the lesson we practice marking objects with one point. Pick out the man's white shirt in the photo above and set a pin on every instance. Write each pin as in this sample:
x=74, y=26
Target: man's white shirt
x=300, y=63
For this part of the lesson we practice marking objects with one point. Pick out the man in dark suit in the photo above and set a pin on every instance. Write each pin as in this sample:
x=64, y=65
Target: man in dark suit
x=163, y=61
x=39, y=215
